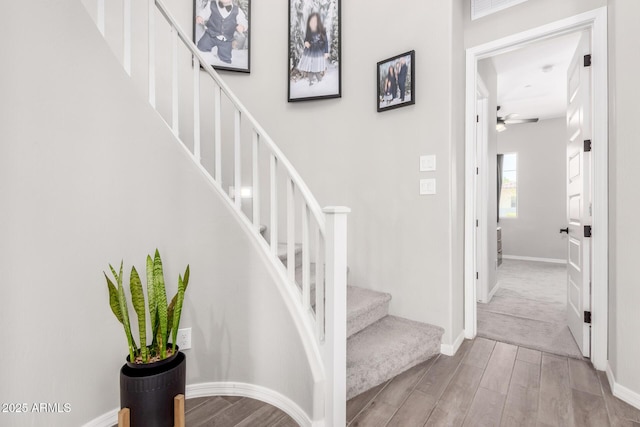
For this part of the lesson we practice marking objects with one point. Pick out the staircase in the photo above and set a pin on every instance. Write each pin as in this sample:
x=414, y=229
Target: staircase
x=379, y=346
x=351, y=342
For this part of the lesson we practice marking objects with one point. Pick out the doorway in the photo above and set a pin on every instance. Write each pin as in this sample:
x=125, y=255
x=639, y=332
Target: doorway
x=476, y=273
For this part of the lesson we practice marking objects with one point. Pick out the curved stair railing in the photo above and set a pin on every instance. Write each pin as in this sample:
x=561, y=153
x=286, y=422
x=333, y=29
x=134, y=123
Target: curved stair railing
x=315, y=239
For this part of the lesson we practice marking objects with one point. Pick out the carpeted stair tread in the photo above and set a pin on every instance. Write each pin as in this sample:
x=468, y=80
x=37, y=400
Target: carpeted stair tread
x=312, y=281
x=365, y=307
x=282, y=253
x=387, y=348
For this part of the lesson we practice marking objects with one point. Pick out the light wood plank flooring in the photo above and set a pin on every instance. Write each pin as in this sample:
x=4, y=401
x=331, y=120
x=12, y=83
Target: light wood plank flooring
x=228, y=411
x=489, y=383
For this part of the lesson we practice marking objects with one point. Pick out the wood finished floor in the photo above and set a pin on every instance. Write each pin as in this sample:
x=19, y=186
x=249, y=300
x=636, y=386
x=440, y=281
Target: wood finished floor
x=489, y=383
x=230, y=411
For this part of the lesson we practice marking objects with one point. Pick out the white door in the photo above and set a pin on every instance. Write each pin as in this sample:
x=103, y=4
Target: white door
x=579, y=195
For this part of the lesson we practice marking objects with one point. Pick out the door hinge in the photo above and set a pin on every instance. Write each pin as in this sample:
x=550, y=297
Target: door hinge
x=587, y=145
x=587, y=60
x=477, y=171
x=587, y=317
x=477, y=276
x=477, y=225
x=477, y=119
x=587, y=231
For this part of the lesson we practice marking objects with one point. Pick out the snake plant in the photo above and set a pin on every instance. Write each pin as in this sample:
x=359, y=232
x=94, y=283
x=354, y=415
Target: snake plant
x=164, y=317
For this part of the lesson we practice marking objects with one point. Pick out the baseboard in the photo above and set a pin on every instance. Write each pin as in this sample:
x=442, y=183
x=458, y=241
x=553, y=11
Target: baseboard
x=535, y=259
x=229, y=389
x=451, y=349
x=105, y=420
x=622, y=392
x=254, y=392
x=493, y=292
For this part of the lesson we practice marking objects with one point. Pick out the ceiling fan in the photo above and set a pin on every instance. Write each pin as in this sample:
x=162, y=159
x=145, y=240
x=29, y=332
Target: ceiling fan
x=511, y=119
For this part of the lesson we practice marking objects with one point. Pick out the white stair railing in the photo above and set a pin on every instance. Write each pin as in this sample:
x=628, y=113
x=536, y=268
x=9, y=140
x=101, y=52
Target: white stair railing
x=321, y=233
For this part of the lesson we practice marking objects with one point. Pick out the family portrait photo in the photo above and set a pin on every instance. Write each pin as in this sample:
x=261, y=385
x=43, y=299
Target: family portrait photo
x=314, y=49
x=396, y=81
x=221, y=32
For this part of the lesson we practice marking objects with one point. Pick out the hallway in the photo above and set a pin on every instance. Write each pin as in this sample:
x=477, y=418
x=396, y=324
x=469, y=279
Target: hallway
x=529, y=308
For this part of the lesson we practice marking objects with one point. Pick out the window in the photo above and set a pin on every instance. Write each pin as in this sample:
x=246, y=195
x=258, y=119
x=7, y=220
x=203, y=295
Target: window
x=509, y=193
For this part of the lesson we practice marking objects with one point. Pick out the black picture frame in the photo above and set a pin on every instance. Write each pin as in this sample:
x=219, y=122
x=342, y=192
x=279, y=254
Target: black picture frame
x=305, y=84
x=392, y=94
x=240, y=55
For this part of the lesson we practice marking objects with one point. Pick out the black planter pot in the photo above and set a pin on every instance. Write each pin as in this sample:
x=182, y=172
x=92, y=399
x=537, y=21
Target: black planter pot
x=148, y=391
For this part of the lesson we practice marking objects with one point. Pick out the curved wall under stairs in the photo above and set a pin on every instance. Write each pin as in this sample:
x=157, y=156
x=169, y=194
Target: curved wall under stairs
x=89, y=174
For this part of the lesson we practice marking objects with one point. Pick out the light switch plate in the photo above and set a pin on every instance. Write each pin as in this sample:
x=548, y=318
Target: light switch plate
x=427, y=186
x=427, y=163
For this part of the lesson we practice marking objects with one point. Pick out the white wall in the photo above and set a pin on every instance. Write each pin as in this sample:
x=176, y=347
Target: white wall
x=88, y=176
x=399, y=242
x=521, y=17
x=487, y=73
x=624, y=286
x=541, y=151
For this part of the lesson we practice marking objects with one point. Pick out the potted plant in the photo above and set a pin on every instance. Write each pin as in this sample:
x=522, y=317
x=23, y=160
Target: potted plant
x=153, y=374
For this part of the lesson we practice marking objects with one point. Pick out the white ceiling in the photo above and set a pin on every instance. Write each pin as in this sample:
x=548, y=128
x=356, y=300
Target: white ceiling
x=525, y=89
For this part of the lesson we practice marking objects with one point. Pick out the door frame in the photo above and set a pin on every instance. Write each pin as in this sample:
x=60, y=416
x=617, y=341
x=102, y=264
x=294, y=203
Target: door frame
x=482, y=189
x=596, y=21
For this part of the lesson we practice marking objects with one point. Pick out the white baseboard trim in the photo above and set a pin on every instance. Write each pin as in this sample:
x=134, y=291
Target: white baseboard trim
x=622, y=392
x=228, y=389
x=451, y=349
x=105, y=420
x=254, y=392
x=493, y=292
x=535, y=259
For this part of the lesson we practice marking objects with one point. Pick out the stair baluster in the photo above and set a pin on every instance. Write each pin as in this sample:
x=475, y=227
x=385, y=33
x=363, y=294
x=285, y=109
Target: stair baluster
x=322, y=232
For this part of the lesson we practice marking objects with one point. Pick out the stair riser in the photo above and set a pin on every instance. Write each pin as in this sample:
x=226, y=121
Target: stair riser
x=387, y=348
x=357, y=385
x=358, y=323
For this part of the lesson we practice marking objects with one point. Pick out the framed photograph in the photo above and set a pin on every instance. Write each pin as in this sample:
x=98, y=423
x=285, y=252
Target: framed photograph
x=396, y=82
x=314, y=50
x=221, y=31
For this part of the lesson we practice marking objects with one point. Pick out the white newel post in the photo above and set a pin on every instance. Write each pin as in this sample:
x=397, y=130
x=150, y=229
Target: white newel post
x=335, y=346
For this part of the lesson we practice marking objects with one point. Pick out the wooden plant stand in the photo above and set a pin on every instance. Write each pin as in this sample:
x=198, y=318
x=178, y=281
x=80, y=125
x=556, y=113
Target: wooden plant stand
x=124, y=416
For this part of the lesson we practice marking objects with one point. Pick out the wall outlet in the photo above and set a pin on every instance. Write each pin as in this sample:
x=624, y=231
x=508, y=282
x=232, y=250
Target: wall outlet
x=184, y=339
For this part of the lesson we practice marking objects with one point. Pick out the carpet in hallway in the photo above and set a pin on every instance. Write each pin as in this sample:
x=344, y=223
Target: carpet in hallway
x=529, y=308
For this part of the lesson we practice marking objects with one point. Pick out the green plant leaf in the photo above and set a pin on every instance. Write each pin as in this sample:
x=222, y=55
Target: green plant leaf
x=161, y=301
x=117, y=276
x=122, y=299
x=185, y=279
x=178, y=309
x=114, y=302
x=172, y=327
x=151, y=292
x=137, y=299
x=170, y=311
